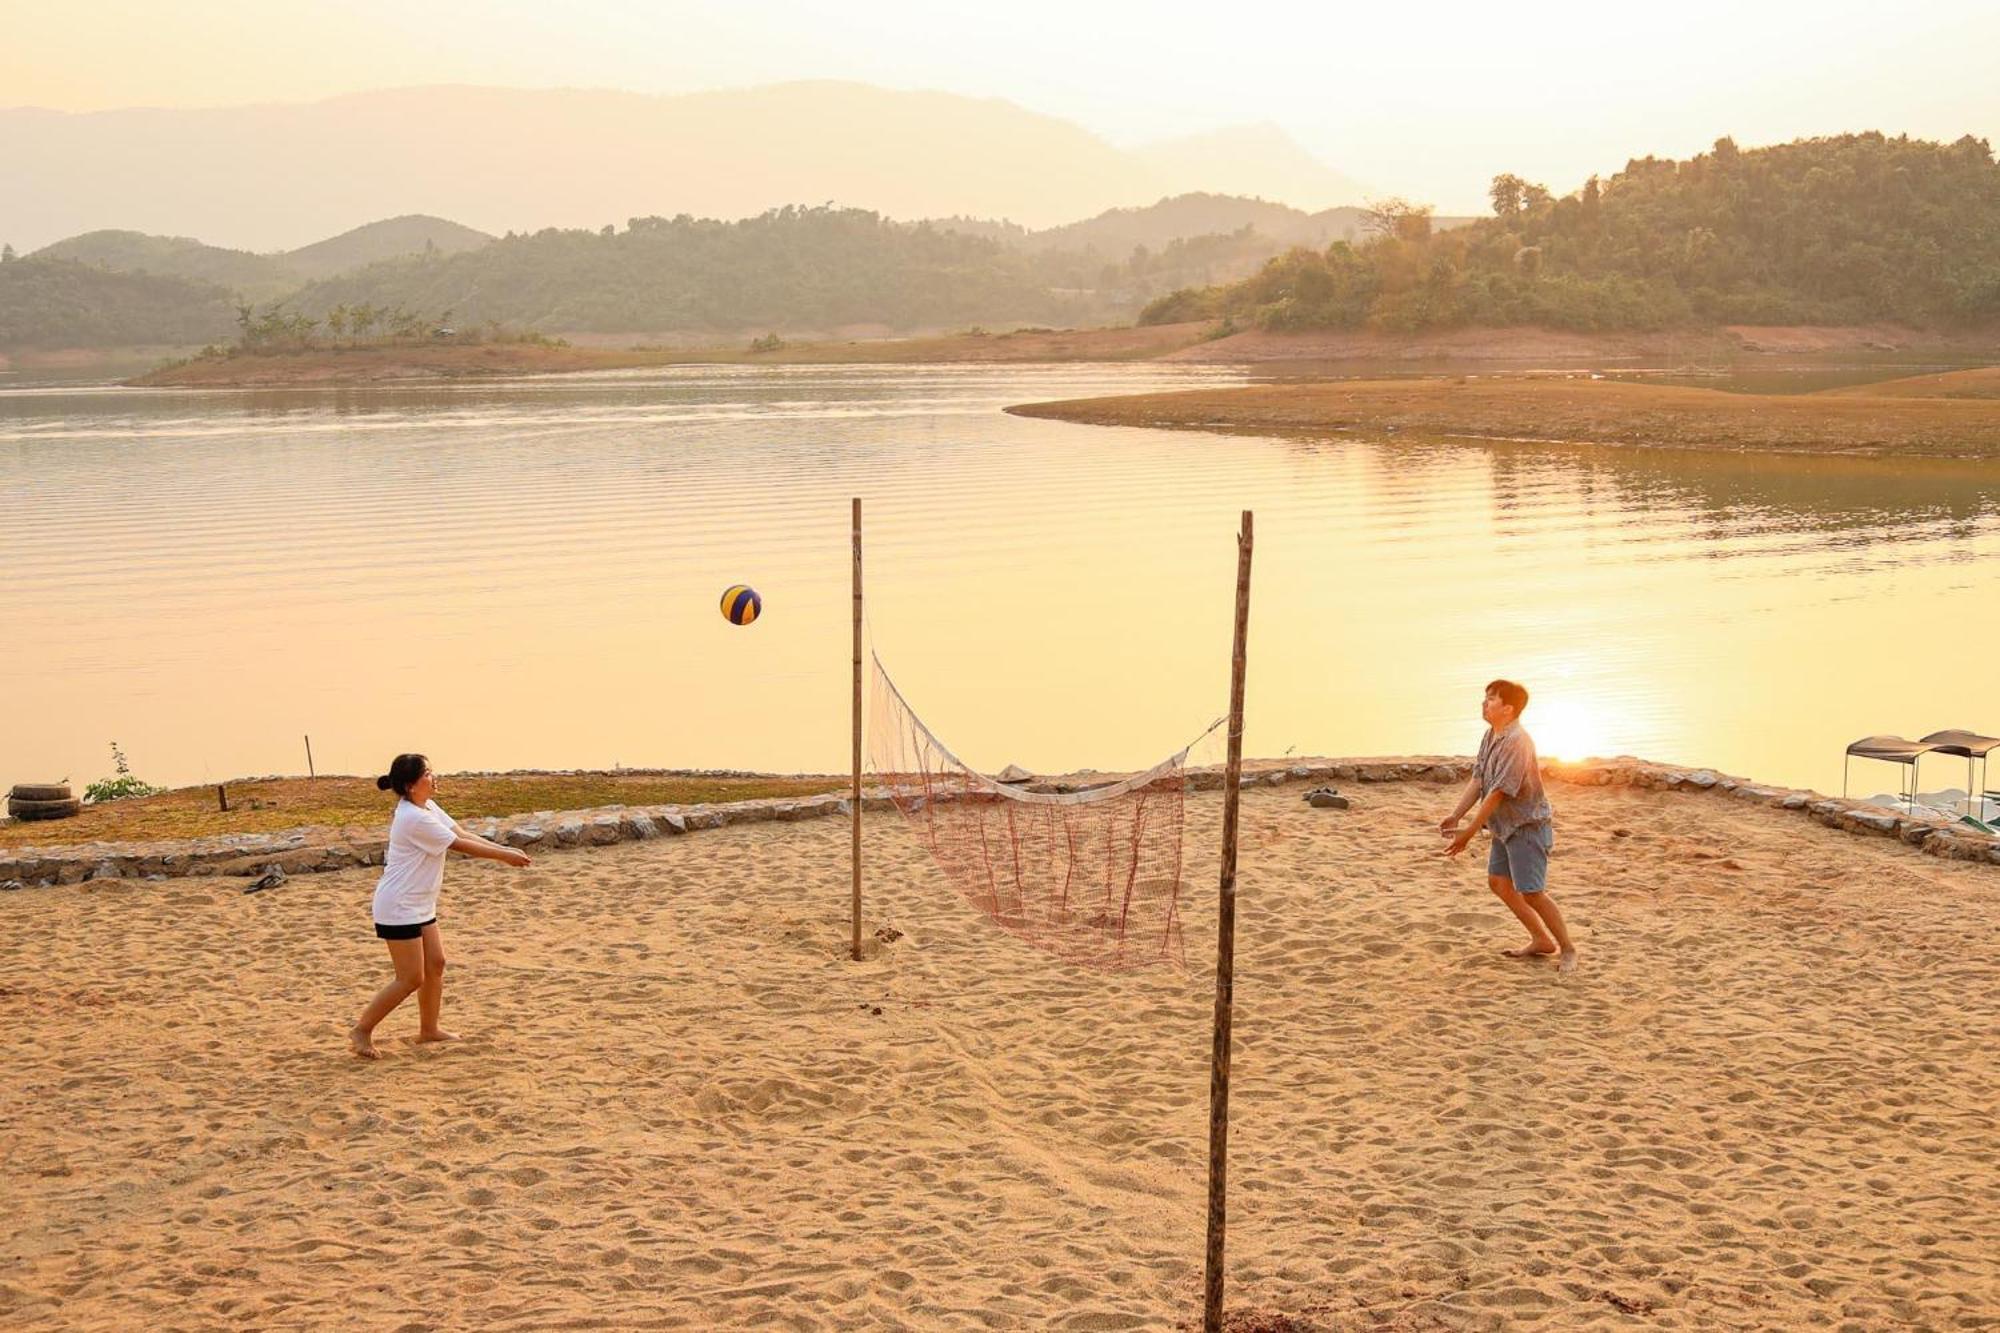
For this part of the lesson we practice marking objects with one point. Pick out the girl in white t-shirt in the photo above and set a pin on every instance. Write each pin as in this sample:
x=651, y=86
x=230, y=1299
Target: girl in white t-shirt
x=406, y=900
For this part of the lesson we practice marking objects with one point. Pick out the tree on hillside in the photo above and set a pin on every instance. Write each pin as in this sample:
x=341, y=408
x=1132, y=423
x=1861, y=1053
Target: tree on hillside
x=1848, y=229
x=7, y=255
x=1397, y=219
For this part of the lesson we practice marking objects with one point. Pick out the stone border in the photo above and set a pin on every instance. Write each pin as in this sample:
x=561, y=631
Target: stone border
x=308, y=850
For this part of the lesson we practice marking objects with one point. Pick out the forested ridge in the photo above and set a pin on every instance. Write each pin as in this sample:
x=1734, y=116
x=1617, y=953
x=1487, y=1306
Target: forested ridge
x=790, y=268
x=1841, y=230
x=63, y=303
x=1846, y=230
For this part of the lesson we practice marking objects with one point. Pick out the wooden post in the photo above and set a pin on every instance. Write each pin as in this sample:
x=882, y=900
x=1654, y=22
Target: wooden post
x=309, y=758
x=856, y=797
x=221, y=799
x=1225, y=949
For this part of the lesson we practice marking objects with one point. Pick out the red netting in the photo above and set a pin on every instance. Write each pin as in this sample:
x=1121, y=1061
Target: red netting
x=1093, y=876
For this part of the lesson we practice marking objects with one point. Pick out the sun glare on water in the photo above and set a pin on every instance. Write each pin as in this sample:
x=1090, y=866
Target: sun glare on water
x=1567, y=728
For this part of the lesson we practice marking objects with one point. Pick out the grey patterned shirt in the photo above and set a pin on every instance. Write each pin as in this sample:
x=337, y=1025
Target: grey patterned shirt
x=1507, y=763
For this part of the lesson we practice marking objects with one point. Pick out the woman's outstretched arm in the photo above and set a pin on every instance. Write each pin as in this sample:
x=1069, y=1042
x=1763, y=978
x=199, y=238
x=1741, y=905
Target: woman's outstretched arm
x=471, y=844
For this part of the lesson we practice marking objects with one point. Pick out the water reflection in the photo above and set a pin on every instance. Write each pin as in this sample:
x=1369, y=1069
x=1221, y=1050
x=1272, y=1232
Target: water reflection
x=525, y=573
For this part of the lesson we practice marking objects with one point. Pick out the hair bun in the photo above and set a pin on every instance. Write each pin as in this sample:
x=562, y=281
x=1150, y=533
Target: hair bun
x=384, y=782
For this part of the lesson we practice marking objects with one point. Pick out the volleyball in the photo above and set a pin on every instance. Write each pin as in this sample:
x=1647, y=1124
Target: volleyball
x=741, y=604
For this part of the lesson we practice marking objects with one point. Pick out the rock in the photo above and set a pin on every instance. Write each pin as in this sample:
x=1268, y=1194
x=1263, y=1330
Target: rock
x=1326, y=800
x=1013, y=773
x=272, y=877
x=1796, y=801
x=641, y=827
x=523, y=835
x=671, y=822
x=569, y=833
x=11, y=886
x=604, y=831
x=1701, y=777
x=105, y=870
x=1871, y=820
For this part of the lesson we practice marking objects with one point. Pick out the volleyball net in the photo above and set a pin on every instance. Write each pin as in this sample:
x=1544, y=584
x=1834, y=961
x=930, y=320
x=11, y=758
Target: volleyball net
x=1092, y=875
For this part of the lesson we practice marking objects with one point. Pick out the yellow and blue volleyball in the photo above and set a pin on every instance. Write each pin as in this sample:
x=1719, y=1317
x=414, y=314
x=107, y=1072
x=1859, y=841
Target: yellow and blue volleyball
x=741, y=604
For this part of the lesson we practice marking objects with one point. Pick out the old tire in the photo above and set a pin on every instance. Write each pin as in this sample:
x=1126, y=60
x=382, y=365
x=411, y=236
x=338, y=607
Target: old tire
x=40, y=791
x=43, y=809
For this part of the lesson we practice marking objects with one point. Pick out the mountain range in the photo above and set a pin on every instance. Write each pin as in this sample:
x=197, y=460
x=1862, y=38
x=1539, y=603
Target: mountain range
x=270, y=177
x=795, y=268
x=266, y=277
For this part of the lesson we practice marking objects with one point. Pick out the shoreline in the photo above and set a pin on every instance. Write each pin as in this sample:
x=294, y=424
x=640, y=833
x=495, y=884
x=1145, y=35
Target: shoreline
x=331, y=367
x=1195, y=342
x=317, y=848
x=1953, y=415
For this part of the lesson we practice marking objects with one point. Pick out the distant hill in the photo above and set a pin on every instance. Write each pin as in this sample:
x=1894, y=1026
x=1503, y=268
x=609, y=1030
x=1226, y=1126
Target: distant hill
x=412, y=234
x=1257, y=160
x=254, y=277
x=47, y=302
x=272, y=177
x=1183, y=217
x=808, y=269
x=1842, y=230
x=789, y=269
x=1190, y=238
x=261, y=279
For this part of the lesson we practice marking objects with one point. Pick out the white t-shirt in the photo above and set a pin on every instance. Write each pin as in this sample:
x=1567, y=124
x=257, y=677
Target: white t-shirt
x=413, y=867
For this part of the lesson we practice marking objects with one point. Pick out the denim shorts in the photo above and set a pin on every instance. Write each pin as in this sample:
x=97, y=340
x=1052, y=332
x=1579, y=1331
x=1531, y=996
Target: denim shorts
x=1523, y=856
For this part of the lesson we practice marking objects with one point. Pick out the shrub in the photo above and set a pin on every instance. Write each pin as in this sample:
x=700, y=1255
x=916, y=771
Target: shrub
x=118, y=788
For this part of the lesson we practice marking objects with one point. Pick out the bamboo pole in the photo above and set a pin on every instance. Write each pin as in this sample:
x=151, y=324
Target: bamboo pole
x=1225, y=949
x=855, y=800
x=310, y=772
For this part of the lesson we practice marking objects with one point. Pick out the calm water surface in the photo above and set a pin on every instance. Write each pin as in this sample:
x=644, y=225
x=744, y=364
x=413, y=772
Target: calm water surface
x=526, y=574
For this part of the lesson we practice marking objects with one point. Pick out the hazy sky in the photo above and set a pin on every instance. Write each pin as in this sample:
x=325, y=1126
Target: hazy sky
x=1428, y=100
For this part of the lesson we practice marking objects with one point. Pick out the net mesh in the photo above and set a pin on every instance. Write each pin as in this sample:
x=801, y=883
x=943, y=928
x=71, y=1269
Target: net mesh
x=1093, y=876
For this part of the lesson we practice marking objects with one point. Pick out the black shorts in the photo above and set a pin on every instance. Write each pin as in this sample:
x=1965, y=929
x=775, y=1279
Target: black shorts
x=409, y=932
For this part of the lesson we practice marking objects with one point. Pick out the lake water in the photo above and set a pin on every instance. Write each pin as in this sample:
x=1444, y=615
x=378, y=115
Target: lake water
x=526, y=574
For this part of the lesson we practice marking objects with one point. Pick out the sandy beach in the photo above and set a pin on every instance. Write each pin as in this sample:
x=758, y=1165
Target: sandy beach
x=1765, y=1101
x=1937, y=416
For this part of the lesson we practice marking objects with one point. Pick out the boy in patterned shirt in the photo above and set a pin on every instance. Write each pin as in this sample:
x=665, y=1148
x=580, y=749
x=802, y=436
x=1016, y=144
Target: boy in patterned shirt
x=1506, y=786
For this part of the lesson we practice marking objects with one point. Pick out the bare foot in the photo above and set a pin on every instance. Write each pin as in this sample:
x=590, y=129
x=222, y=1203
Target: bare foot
x=1529, y=951
x=439, y=1035
x=1568, y=963
x=363, y=1044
